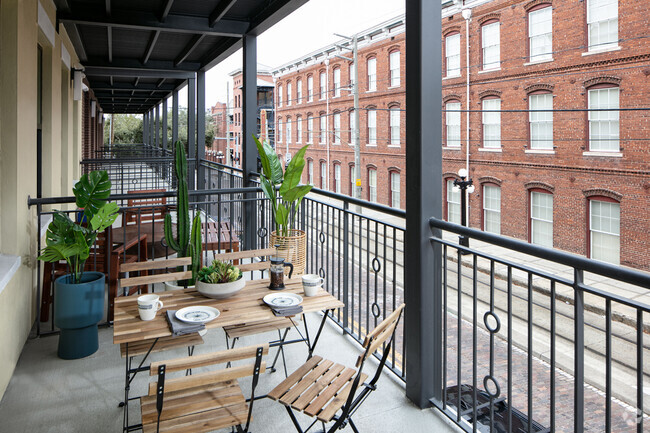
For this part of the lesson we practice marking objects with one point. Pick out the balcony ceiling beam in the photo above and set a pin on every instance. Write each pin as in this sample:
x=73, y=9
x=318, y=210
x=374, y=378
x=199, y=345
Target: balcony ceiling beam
x=75, y=38
x=148, y=21
x=128, y=87
x=114, y=71
x=103, y=96
x=108, y=8
x=219, y=11
x=109, y=31
x=150, y=46
x=152, y=65
x=196, y=40
x=165, y=10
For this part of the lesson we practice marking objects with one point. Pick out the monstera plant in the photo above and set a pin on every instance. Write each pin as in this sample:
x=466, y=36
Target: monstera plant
x=71, y=240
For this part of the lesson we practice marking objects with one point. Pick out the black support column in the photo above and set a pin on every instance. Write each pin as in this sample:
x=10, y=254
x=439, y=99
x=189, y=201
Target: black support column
x=156, y=126
x=191, y=129
x=164, y=124
x=249, y=126
x=200, y=129
x=175, y=117
x=423, y=289
x=145, y=138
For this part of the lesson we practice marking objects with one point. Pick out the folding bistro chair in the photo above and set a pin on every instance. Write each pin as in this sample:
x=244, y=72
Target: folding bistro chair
x=320, y=388
x=205, y=401
x=280, y=324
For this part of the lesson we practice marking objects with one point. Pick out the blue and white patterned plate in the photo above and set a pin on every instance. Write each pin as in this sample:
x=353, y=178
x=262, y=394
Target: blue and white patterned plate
x=197, y=314
x=282, y=299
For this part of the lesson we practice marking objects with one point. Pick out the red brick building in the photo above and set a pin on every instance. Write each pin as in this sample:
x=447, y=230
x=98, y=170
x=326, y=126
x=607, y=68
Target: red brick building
x=219, y=149
x=314, y=105
x=567, y=177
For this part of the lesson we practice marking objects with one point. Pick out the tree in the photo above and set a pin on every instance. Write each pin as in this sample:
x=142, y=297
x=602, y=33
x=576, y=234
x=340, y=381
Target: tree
x=182, y=126
x=126, y=130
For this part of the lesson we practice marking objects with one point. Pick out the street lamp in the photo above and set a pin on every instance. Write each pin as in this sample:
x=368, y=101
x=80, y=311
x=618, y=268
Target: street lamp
x=465, y=187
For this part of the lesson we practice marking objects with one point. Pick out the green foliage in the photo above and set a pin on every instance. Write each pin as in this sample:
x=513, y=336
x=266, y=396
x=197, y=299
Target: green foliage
x=127, y=128
x=181, y=243
x=284, y=206
x=70, y=241
x=219, y=272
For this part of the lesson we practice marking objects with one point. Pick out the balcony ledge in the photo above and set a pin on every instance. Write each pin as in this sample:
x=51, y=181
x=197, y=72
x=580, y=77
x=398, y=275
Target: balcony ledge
x=9, y=265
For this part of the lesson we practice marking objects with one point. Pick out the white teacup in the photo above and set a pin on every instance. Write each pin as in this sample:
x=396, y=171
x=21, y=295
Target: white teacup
x=311, y=283
x=148, y=306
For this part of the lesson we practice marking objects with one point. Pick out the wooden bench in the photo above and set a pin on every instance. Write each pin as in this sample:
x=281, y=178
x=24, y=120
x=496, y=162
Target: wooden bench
x=153, y=209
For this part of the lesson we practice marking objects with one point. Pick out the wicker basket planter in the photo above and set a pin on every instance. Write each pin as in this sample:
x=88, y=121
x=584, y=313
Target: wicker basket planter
x=292, y=249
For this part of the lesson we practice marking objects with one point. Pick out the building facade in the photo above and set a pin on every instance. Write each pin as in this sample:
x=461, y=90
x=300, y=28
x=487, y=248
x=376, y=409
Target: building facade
x=556, y=96
x=315, y=107
x=219, y=149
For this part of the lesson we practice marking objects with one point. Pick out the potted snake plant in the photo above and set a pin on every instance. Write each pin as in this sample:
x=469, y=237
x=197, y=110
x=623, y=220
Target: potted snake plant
x=219, y=280
x=285, y=193
x=79, y=295
x=187, y=243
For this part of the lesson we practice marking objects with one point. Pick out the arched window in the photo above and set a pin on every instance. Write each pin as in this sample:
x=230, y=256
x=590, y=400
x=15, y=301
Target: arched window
x=395, y=188
x=452, y=54
x=541, y=217
x=491, y=44
x=299, y=91
x=394, y=126
x=491, y=122
x=337, y=82
x=298, y=129
x=288, y=130
x=310, y=171
x=310, y=129
x=323, y=127
x=452, y=117
x=372, y=74
x=323, y=175
x=604, y=135
x=372, y=127
x=310, y=88
x=604, y=229
x=452, y=201
x=602, y=23
x=540, y=33
x=492, y=208
x=394, y=65
x=337, y=178
x=337, y=128
x=289, y=93
x=372, y=184
x=323, y=85
x=541, y=122
x=279, y=95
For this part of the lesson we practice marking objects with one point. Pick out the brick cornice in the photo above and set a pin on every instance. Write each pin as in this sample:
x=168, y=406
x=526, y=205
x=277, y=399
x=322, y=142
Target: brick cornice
x=450, y=175
x=488, y=17
x=540, y=185
x=489, y=92
x=489, y=179
x=452, y=97
x=534, y=3
x=536, y=87
x=603, y=192
x=452, y=29
x=604, y=79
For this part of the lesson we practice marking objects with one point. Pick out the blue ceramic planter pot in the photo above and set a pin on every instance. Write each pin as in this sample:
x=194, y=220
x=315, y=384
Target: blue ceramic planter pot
x=77, y=310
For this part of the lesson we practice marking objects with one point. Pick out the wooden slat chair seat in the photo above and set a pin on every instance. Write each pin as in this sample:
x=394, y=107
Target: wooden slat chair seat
x=321, y=388
x=163, y=343
x=205, y=401
x=147, y=209
x=278, y=324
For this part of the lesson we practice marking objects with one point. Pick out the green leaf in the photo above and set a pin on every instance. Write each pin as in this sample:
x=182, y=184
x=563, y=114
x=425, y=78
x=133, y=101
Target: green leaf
x=92, y=191
x=282, y=215
x=275, y=165
x=297, y=193
x=82, y=245
x=60, y=230
x=268, y=189
x=294, y=171
x=266, y=167
x=105, y=217
x=55, y=253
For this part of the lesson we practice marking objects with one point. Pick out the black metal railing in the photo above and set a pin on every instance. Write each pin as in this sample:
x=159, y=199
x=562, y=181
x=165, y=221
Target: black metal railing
x=529, y=349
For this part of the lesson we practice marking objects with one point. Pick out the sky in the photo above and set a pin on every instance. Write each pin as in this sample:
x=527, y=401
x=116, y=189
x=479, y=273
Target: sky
x=307, y=29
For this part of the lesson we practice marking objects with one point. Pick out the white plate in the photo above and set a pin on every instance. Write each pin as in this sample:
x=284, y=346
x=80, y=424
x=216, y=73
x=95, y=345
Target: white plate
x=197, y=314
x=282, y=299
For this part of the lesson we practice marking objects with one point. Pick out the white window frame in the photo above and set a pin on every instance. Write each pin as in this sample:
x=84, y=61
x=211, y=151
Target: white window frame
x=310, y=172
x=353, y=183
x=395, y=196
x=298, y=129
x=337, y=82
x=540, y=34
x=298, y=91
x=491, y=45
x=337, y=178
x=604, y=126
x=310, y=88
x=394, y=65
x=492, y=209
x=288, y=131
x=289, y=91
x=310, y=129
x=372, y=74
x=280, y=96
x=372, y=185
x=452, y=55
x=323, y=175
x=491, y=123
x=323, y=85
x=453, y=203
x=323, y=129
x=280, y=128
x=602, y=24
x=352, y=73
x=352, y=131
x=372, y=127
x=337, y=128
x=541, y=221
x=395, y=130
x=608, y=227
x=452, y=123
x=541, y=123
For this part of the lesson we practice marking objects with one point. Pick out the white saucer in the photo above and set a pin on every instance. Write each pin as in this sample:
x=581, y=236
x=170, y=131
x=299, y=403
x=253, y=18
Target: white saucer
x=197, y=314
x=282, y=299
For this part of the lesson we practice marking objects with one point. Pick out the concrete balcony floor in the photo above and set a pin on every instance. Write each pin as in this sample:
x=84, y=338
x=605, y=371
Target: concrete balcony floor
x=47, y=394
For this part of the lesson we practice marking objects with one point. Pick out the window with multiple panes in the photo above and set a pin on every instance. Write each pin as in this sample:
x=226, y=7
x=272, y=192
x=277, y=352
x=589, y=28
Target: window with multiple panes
x=452, y=55
x=310, y=88
x=323, y=127
x=372, y=185
x=310, y=172
x=299, y=91
x=491, y=123
x=604, y=125
x=289, y=93
x=394, y=189
x=453, y=123
x=337, y=82
x=372, y=74
x=492, y=209
x=602, y=23
x=353, y=182
x=288, y=130
x=453, y=202
x=540, y=34
x=310, y=129
x=394, y=126
x=299, y=129
x=280, y=130
x=394, y=69
x=337, y=178
x=323, y=85
x=323, y=175
x=541, y=218
x=490, y=38
x=337, y=128
x=605, y=231
x=352, y=73
x=352, y=127
x=372, y=127
x=279, y=96
x=541, y=122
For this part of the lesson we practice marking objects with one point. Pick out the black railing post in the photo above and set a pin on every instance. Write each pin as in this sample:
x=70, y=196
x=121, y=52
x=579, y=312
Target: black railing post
x=424, y=315
x=249, y=128
x=346, y=265
x=579, y=351
x=200, y=129
x=191, y=130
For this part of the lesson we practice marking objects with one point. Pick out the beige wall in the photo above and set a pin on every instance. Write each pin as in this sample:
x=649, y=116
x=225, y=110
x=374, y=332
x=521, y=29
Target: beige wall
x=19, y=36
